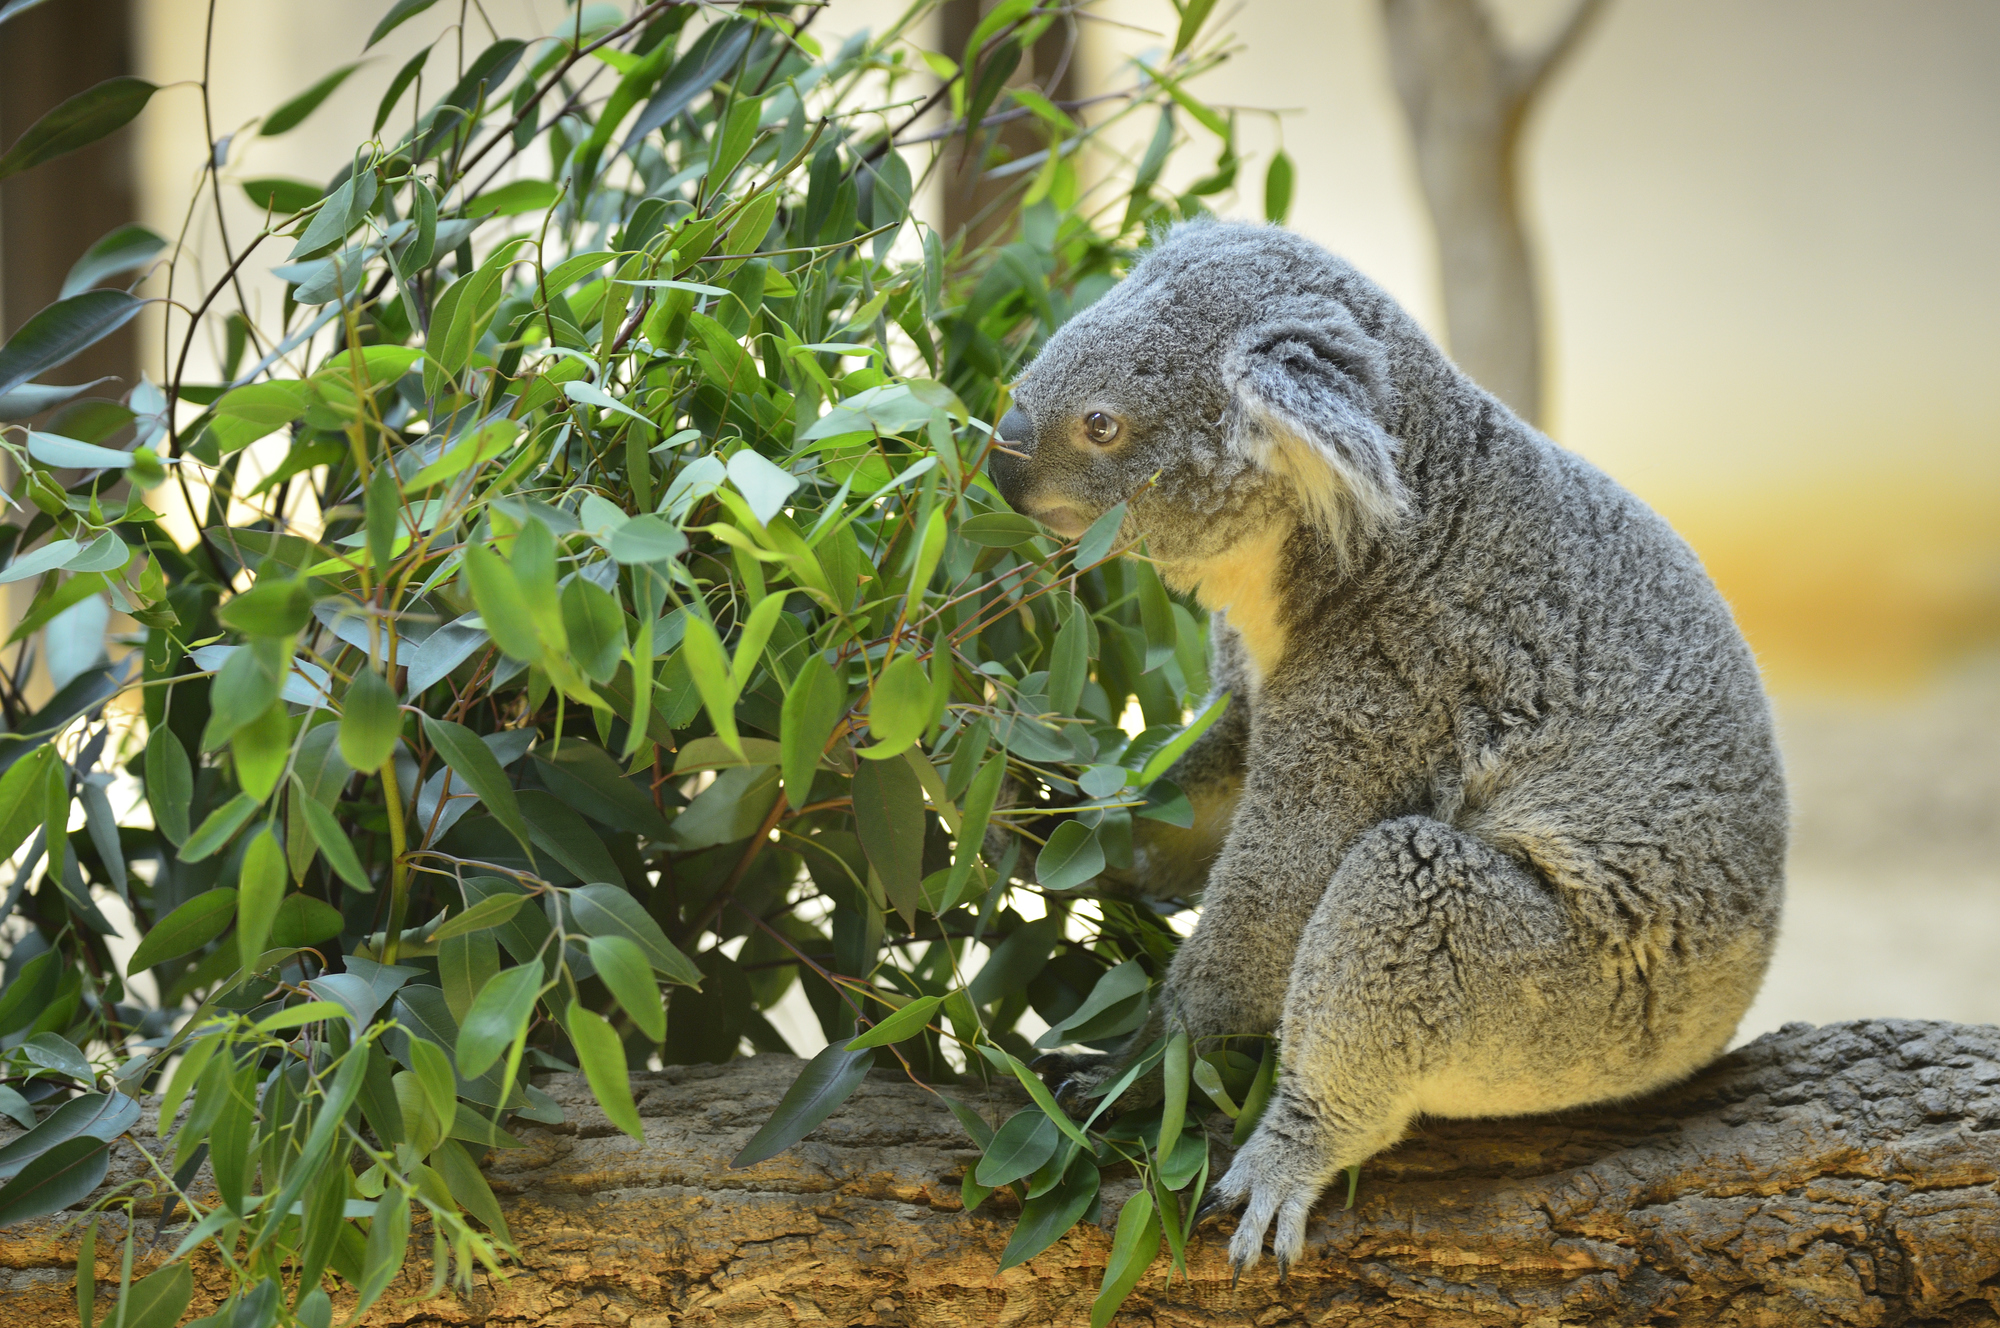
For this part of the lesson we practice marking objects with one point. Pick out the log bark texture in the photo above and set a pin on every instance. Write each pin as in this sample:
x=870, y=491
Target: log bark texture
x=1840, y=1175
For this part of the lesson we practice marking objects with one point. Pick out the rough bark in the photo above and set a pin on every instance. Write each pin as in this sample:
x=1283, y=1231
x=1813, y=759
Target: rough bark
x=1466, y=99
x=1840, y=1175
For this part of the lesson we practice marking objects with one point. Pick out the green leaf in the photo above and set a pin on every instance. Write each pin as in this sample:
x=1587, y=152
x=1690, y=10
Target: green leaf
x=596, y=629
x=502, y=603
x=1049, y=1215
x=1004, y=1060
x=281, y=195
x=156, y=1301
x=383, y=510
x=293, y=113
x=998, y=530
x=645, y=539
x=433, y=1070
x=78, y=122
x=399, y=12
x=1133, y=1247
x=219, y=828
x=62, y=331
x=297, y=1016
x=1022, y=1145
x=22, y=797
x=1173, y=1105
x=488, y=912
x=333, y=842
x=188, y=928
x=1095, y=546
x=610, y=910
x=889, y=820
x=63, y=1176
x=102, y=1116
x=260, y=890
x=813, y=706
x=904, y=1023
x=1160, y=761
x=370, y=721
x=513, y=198
x=124, y=249
x=629, y=977
x=1278, y=189
x=1156, y=617
x=899, y=708
x=472, y=762
x=69, y=454
x=302, y=920
x=461, y=1175
x=1193, y=15
x=709, y=666
x=1069, y=661
x=602, y=1056
x=498, y=1016
x=1258, y=1096
x=1071, y=857
x=1209, y=1080
x=382, y=1257
x=828, y=1080
x=1118, y=985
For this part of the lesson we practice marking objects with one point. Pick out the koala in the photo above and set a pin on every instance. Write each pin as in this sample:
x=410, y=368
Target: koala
x=1494, y=822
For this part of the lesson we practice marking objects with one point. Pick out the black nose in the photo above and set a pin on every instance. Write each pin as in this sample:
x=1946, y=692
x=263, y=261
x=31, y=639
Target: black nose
x=1017, y=432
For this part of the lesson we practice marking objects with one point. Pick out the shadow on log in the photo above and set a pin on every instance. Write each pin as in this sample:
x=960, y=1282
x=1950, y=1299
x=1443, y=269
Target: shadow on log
x=1839, y=1175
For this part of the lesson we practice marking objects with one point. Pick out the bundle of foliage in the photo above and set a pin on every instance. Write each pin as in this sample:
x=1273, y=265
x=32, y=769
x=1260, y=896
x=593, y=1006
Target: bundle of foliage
x=596, y=600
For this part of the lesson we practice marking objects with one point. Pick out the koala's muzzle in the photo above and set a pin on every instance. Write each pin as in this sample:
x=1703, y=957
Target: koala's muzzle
x=1010, y=473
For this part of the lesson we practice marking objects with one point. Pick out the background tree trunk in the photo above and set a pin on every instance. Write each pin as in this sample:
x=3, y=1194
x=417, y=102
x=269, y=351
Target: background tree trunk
x=1466, y=99
x=1843, y=1175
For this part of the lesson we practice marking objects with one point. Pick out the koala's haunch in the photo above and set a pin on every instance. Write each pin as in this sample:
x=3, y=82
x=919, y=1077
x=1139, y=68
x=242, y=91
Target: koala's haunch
x=1495, y=821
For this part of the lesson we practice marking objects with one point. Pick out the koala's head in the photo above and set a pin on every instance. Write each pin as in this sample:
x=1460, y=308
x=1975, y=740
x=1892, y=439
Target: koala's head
x=1229, y=365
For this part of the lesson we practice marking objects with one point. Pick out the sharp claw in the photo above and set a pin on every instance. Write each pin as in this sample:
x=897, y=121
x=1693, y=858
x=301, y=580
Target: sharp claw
x=1213, y=1204
x=1284, y=1267
x=1235, y=1272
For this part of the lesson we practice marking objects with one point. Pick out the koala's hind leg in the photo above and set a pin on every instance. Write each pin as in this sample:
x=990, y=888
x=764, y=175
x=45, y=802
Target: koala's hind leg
x=1436, y=975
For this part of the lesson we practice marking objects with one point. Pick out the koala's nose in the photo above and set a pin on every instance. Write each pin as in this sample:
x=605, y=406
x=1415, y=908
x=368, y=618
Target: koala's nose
x=1016, y=431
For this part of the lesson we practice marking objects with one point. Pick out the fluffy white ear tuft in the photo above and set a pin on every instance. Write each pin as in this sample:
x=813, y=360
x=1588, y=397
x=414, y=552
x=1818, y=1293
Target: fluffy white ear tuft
x=1305, y=392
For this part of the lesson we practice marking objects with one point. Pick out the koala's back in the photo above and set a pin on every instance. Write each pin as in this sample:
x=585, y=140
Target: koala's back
x=1536, y=658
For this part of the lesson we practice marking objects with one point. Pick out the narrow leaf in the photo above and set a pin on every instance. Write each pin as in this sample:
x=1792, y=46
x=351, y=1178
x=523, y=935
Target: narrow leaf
x=78, y=122
x=904, y=1023
x=189, y=927
x=603, y=1059
x=828, y=1080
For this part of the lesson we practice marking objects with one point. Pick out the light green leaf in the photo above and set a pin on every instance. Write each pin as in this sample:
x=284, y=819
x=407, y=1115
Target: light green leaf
x=498, y=1016
x=1133, y=1247
x=332, y=841
x=219, y=827
x=899, y=708
x=764, y=485
x=602, y=1056
x=260, y=890
x=502, y=603
x=1158, y=763
x=904, y=1023
x=622, y=965
x=488, y=912
x=1071, y=857
x=1095, y=546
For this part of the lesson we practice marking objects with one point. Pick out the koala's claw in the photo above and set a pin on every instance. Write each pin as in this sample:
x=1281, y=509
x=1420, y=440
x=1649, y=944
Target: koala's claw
x=1213, y=1204
x=1276, y=1179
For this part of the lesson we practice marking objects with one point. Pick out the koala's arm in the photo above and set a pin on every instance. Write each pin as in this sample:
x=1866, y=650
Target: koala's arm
x=1170, y=861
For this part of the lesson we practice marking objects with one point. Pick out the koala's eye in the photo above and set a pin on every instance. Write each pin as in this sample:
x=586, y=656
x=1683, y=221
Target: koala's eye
x=1099, y=427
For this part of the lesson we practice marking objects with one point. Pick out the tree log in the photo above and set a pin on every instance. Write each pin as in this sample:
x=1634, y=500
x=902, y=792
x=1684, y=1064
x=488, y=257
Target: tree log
x=1838, y=1175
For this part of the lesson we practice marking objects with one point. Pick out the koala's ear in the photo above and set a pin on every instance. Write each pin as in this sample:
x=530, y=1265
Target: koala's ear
x=1305, y=395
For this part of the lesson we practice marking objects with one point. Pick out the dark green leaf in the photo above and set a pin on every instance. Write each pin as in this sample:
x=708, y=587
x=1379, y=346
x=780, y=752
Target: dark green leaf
x=828, y=1080
x=1048, y=1216
x=472, y=762
x=65, y=329
x=1156, y=616
x=397, y=86
x=567, y=837
x=189, y=927
x=169, y=784
x=276, y=193
x=156, y=1301
x=124, y=249
x=64, y=1175
x=293, y=113
x=1118, y=985
x=1071, y=857
x=596, y=628
x=102, y=1116
x=589, y=780
x=813, y=705
x=1024, y=1143
x=302, y=920
x=1069, y=661
x=399, y=12
x=889, y=819
x=332, y=841
x=78, y=122
x=610, y=910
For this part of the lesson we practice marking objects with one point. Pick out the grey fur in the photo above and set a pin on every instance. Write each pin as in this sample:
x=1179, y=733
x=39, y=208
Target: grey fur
x=1495, y=822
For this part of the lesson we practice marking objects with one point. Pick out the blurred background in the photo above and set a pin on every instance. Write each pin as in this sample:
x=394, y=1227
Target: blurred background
x=1739, y=255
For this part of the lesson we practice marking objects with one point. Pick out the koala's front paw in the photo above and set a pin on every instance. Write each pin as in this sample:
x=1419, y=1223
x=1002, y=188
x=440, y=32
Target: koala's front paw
x=1279, y=1173
x=1075, y=1077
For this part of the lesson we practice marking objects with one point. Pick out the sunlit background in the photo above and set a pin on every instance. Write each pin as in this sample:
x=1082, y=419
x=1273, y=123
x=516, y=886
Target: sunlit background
x=1767, y=263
